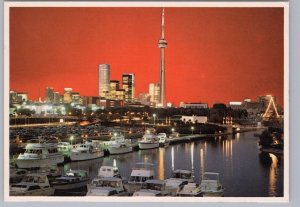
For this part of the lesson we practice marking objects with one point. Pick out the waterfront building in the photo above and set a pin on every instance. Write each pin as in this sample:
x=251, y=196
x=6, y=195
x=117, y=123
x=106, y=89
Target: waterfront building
x=114, y=87
x=247, y=100
x=46, y=109
x=236, y=105
x=154, y=92
x=253, y=109
x=104, y=80
x=162, y=44
x=17, y=97
x=105, y=103
x=194, y=105
x=128, y=84
x=194, y=119
x=89, y=100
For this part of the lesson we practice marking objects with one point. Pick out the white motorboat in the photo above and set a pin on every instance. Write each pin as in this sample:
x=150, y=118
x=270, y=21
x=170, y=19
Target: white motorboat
x=211, y=186
x=32, y=185
x=178, y=178
x=138, y=176
x=87, y=151
x=37, y=154
x=183, y=175
x=174, y=135
x=163, y=140
x=64, y=148
x=189, y=190
x=119, y=145
x=149, y=141
x=73, y=179
x=153, y=188
x=106, y=186
x=108, y=171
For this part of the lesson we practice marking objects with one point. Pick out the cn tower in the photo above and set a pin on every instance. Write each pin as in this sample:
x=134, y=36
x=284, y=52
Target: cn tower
x=162, y=44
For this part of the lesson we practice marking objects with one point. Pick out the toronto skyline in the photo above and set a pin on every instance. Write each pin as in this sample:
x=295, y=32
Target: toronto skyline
x=214, y=54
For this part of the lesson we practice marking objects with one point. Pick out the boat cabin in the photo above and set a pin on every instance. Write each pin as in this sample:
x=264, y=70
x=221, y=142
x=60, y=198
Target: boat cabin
x=108, y=171
x=182, y=174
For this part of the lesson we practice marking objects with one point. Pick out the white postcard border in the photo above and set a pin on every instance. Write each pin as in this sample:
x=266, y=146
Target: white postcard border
x=283, y=199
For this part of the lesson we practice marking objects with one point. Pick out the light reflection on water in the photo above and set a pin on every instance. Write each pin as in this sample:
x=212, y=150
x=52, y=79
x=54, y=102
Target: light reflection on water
x=272, y=175
x=243, y=171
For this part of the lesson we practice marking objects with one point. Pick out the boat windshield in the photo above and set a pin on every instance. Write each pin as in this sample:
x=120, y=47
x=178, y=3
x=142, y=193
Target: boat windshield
x=140, y=179
x=33, y=151
x=210, y=177
x=33, y=179
x=106, y=183
x=182, y=175
x=19, y=186
x=153, y=186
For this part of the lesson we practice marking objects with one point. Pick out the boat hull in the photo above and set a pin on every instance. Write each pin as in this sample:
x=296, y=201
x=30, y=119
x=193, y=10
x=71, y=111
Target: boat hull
x=70, y=186
x=77, y=156
x=31, y=163
x=144, y=145
x=40, y=192
x=119, y=150
x=36, y=163
x=132, y=187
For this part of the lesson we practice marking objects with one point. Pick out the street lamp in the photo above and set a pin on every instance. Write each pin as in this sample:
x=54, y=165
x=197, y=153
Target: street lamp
x=154, y=115
x=71, y=138
x=192, y=128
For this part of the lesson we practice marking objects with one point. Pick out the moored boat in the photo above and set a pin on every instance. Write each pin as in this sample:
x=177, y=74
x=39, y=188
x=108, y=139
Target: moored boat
x=153, y=188
x=163, y=140
x=108, y=171
x=87, y=151
x=64, y=148
x=106, y=186
x=33, y=184
x=149, y=141
x=73, y=179
x=189, y=190
x=178, y=179
x=138, y=176
x=39, y=153
x=119, y=145
x=211, y=186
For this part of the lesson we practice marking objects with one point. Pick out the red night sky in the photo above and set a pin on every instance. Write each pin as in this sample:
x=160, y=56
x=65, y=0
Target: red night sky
x=213, y=54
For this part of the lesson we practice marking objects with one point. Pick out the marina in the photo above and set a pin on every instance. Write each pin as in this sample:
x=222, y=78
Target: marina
x=185, y=162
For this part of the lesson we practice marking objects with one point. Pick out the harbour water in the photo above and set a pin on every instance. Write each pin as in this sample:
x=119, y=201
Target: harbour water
x=244, y=170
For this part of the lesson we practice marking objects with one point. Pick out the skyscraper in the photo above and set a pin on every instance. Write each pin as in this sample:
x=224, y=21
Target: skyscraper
x=68, y=95
x=114, y=87
x=162, y=44
x=104, y=80
x=49, y=95
x=129, y=86
x=154, y=92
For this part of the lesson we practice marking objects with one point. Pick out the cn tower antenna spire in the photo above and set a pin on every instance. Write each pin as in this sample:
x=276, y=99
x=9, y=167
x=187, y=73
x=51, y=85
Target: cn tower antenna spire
x=163, y=24
x=162, y=44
